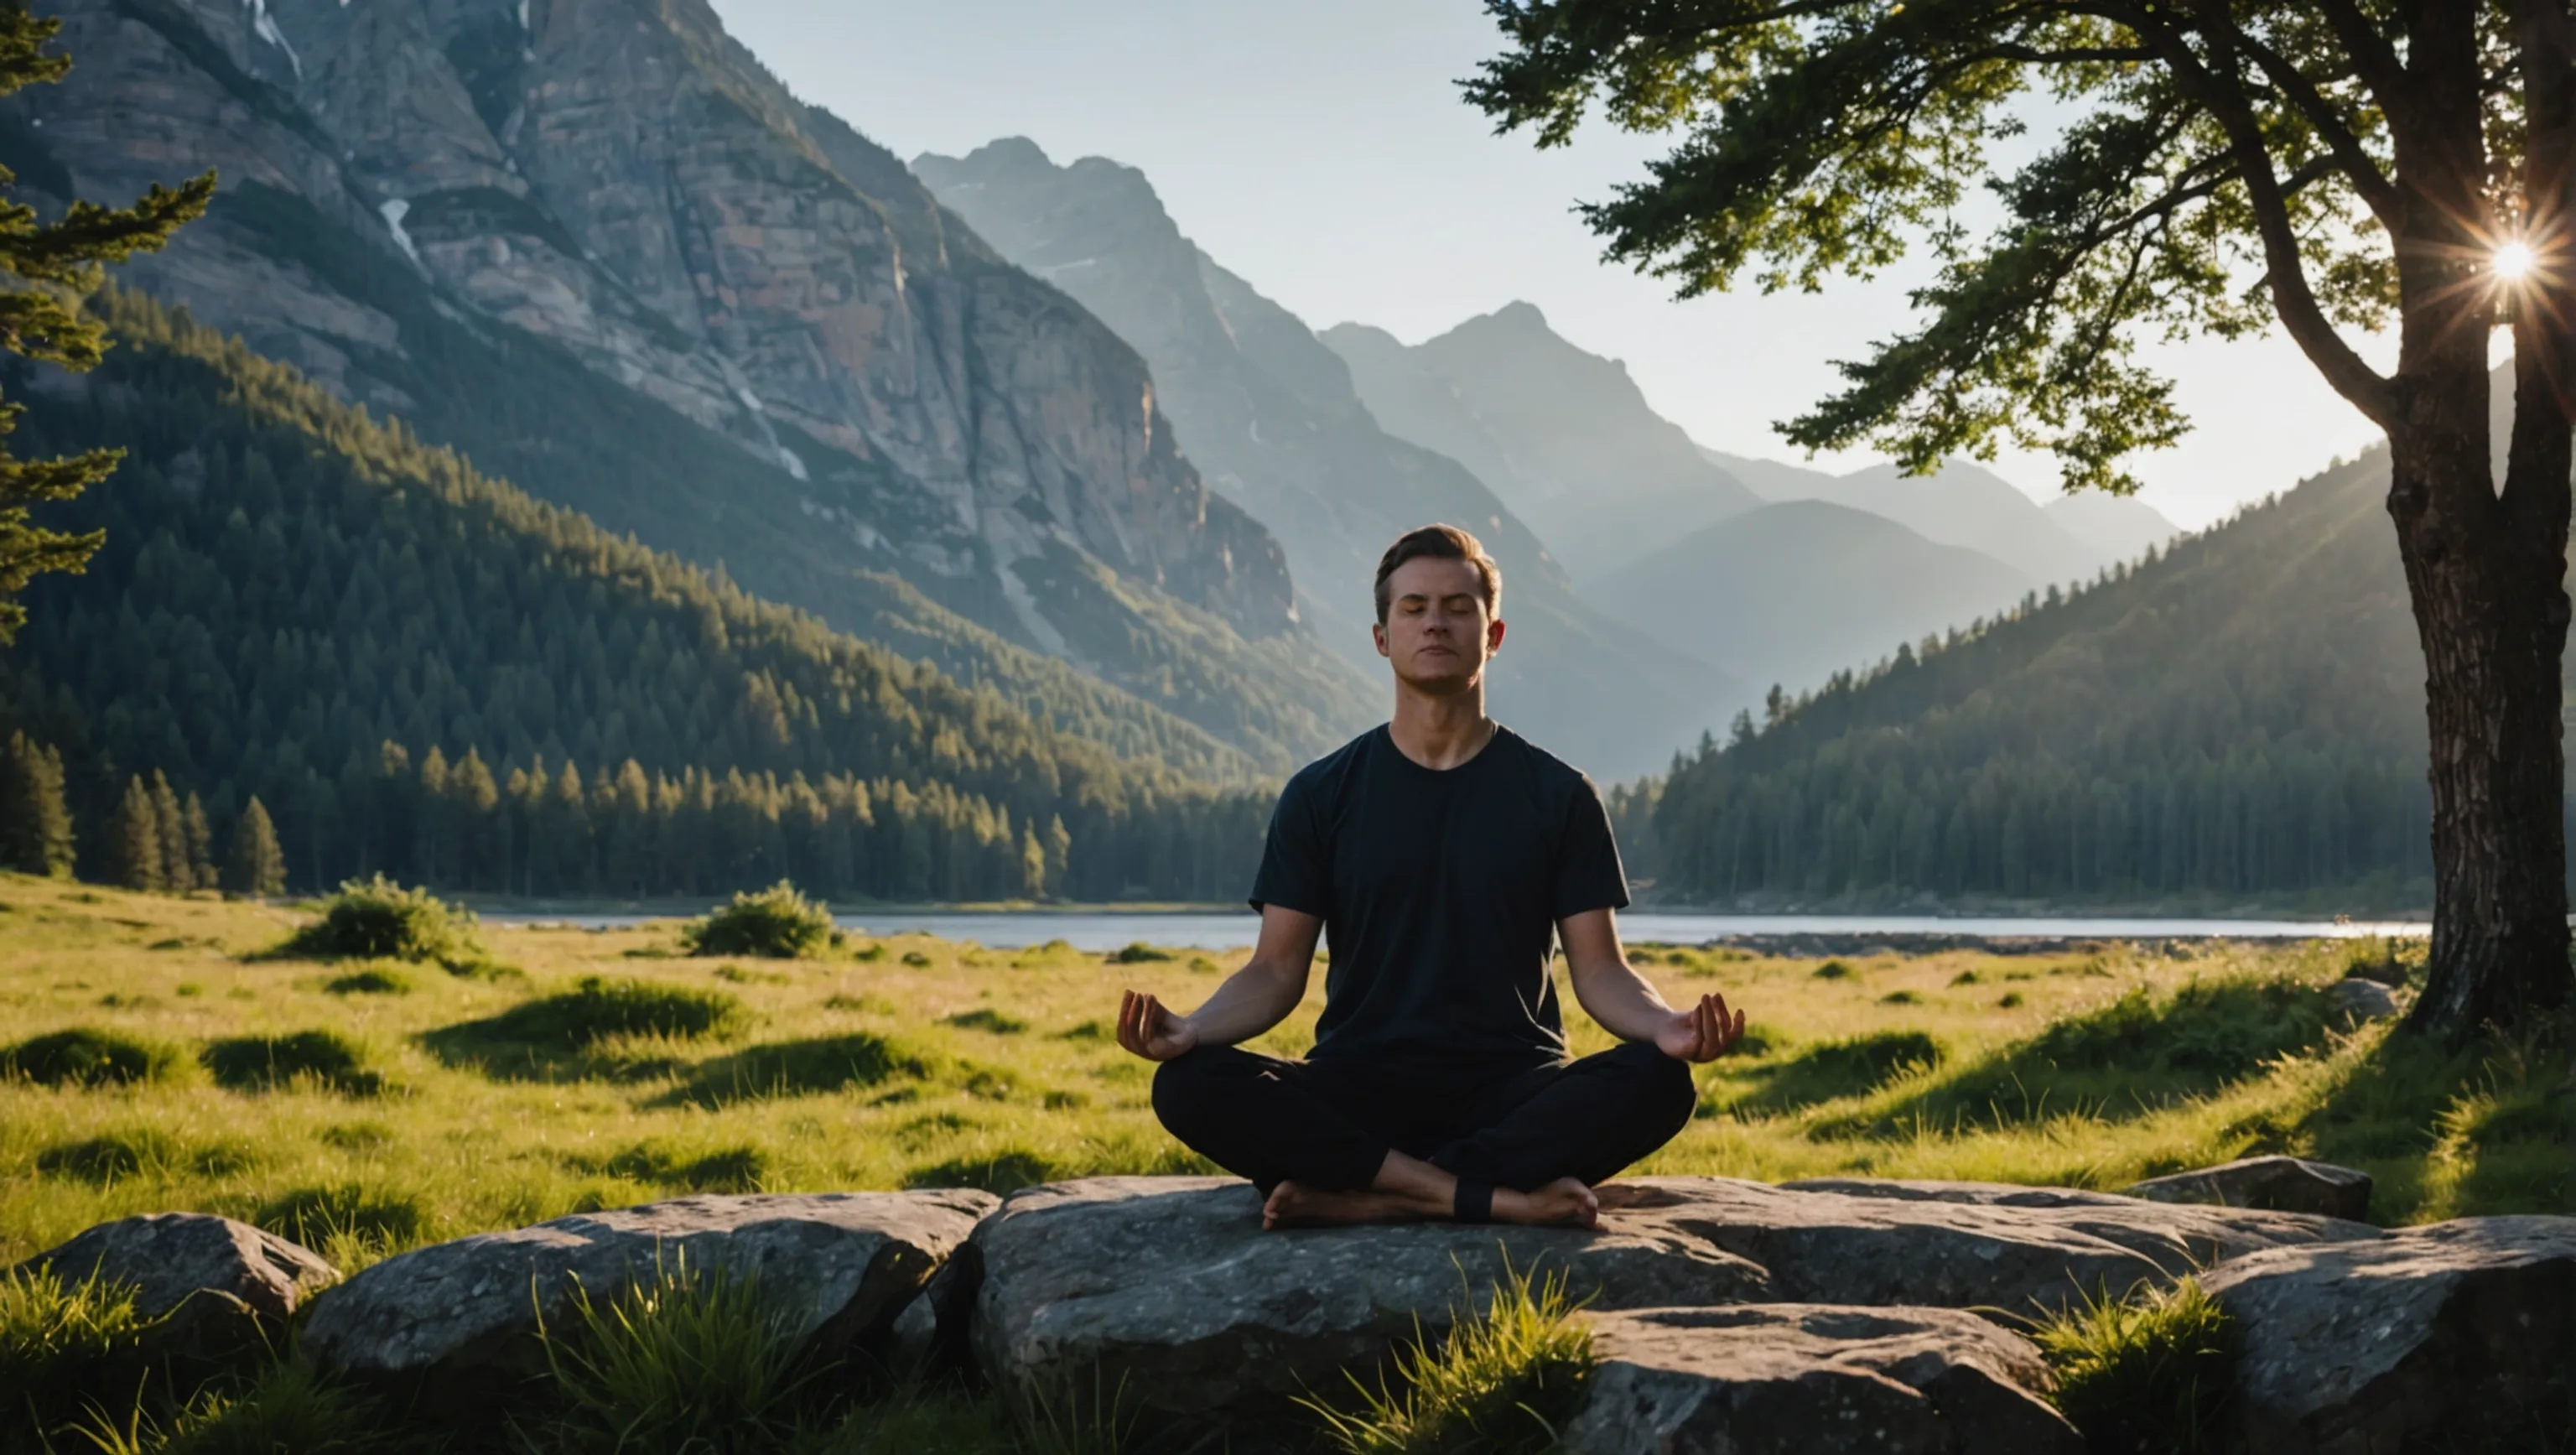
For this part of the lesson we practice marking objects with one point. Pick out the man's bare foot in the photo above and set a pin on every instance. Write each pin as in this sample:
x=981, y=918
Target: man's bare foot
x=1293, y=1205
x=1564, y=1203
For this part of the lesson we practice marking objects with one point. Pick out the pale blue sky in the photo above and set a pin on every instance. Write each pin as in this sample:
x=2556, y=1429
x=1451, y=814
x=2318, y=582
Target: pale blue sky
x=1319, y=149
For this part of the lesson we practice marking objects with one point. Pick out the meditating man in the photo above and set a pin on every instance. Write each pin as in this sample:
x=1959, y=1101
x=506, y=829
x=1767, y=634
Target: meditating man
x=1444, y=853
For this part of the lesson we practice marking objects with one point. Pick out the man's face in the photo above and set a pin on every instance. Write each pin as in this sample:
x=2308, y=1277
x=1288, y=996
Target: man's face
x=1437, y=632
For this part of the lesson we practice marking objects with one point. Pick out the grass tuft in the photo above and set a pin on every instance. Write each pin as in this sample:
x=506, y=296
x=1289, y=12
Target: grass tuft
x=372, y=980
x=377, y=919
x=367, y=1221
x=1137, y=953
x=1851, y=1066
x=66, y=1347
x=1002, y=1172
x=683, y=1361
x=776, y=922
x=598, y=1008
x=84, y=1056
x=2149, y=1373
x=1501, y=1382
x=269, y=1063
x=809, y=1067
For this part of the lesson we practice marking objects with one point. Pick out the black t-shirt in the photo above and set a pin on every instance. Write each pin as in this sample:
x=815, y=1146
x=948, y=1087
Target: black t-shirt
x=1440, y=892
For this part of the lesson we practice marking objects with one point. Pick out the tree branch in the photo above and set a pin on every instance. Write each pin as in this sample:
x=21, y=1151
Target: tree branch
x=2374, y=60
x=2292, y=296
x=2377, y=192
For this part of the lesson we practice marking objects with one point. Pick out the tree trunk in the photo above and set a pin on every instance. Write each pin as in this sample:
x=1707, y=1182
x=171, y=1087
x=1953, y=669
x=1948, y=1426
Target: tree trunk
x=2491, y=610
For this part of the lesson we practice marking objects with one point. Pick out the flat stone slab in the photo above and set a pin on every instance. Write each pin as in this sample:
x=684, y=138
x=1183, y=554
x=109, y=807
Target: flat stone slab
x=842, y=1265
x=2457, y=1336
x=1897, y=1246
x=1978, y=1194
x=1168, y=1288
x=2280, y=1184
x=1814, y=1379
x=221, y=1281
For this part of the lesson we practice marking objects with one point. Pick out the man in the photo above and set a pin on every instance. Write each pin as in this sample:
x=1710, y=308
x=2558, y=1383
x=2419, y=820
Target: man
x=1444, y=852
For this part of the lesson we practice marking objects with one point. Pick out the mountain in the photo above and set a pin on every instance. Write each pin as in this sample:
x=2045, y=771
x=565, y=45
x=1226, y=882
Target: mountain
x=477, y=214
x=1563, y=436
x=2236, y=719
x=1964, y=504
x=1270, y=417
x=1779, y=590
x=297, y=602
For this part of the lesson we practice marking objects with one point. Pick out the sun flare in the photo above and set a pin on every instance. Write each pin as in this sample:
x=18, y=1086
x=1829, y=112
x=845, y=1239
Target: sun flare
x=2512, y=262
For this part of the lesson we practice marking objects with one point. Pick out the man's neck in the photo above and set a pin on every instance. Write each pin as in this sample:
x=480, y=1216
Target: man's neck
x=1440, y=731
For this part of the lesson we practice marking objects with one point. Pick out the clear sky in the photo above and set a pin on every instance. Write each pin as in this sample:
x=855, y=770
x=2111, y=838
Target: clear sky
x=1319, y=148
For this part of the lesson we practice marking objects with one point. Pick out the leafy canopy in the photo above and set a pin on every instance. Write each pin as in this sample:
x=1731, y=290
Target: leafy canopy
x=2194, y=166
x=53, y=265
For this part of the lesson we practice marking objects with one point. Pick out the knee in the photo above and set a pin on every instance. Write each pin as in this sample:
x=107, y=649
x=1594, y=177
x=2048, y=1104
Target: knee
x=1665, y=1090
x=1181, y=1084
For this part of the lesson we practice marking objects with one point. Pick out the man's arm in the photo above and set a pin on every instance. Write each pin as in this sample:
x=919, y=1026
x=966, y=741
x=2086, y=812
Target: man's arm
x=1252, y=999
x=1630, y=1008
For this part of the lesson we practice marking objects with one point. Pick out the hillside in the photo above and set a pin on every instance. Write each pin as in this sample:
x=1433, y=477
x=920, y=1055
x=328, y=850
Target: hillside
x=1565, y=437
x=420, y=669
x=2238, y=719
x=1779, y=589
x=1269, y=415
x=766, y=344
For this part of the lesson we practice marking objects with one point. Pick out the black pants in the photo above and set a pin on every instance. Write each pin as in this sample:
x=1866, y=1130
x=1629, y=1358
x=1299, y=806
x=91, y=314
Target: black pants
x=1329, y=1124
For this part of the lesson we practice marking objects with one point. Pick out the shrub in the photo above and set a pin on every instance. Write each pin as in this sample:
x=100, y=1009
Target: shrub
x=380, y=920
x=1502, y=1381
x=1136, y=953
x=1833, y=970
x=2152, y=1372
x=597, y=1008
x=685, y=1360
x=84, y=1056
x=265, y=1063
x=776, y=922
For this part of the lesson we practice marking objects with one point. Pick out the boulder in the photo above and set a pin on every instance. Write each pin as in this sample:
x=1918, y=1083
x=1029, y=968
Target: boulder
x=1813, y=1379
x=2358, y=999
x=1168, y=1289
x=843, y=1265
x=1979, y=1194
x=1888, y=1249
x=2461, y=1335
x=223, y=1284
x=2280, y=1184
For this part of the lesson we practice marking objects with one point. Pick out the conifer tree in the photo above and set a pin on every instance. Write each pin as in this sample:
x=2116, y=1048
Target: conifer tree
x=256, y=867
x=35, y=824
x=134, y=841
x=177, y=875
x=201, y=843
x=56, y=263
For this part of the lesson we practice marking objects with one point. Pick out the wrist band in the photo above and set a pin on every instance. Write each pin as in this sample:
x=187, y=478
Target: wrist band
x=1473, y=1202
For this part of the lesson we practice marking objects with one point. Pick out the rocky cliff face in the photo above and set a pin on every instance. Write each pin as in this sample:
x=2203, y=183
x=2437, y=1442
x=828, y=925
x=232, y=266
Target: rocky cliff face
x=624, y=182
x=1269, y=414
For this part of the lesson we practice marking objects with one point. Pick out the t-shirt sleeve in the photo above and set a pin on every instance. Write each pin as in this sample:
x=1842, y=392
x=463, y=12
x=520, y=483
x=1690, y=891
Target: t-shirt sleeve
x=1588, y=872
x=1296, y=860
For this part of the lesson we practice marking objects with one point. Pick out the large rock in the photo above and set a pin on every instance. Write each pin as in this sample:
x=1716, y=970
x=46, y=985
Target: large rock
x=2358, y=998
x=844, y=1266
x=1897, y=1246
x=1981, y=1194
x=1169, y=1289
x=223, y=1284
x=1812, y=1379
x=2282, y=1184
x=2457, y=1336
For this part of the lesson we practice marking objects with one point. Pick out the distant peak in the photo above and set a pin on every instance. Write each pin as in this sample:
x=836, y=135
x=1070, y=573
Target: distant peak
x=1002, y=154
x=1520, y=313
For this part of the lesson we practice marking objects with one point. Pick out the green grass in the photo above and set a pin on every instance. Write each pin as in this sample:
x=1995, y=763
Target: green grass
x=1500, y=1383
x=776, y=922
x=266, y=1063
x=85, y=1056
x=2149, y=1374
x=65, y=1347
x=688, y=1360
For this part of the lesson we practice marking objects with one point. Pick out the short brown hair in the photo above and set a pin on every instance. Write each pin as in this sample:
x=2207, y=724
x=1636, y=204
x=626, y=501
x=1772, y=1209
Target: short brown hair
x=1442, y=543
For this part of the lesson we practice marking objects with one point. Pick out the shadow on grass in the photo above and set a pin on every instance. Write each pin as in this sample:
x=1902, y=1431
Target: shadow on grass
x=2477, y=1130
x=800, y=1068
x=2120, y=1061
x=554, y=1037
x=1833, y=1069
x=318, y=1216
x=1006, y=1171
x=271, y=1063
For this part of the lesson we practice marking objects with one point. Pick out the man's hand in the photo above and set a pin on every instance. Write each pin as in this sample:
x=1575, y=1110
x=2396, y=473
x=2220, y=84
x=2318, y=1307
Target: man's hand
x=1150, y=1031
x=1702, y=1032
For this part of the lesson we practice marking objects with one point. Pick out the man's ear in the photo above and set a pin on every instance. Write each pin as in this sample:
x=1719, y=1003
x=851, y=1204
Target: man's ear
x=1493, y=636
x=1377, y=635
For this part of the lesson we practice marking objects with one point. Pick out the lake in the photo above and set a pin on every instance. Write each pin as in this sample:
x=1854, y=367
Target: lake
x=1109, y=929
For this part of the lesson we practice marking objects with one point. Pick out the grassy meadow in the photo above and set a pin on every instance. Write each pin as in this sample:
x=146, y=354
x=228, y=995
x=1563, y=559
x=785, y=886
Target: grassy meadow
x=161, y=1053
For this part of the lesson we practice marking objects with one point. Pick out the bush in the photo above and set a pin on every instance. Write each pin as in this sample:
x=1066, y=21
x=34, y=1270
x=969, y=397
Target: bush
x=1503, y=1381
x=265, y=1063
x=598, y=1008
x=381, y=920
x=686, y=1360
x=1833, y=970
x=2153, y=1372
x=86, y=1057
x=1138, y=953
x=776, y=922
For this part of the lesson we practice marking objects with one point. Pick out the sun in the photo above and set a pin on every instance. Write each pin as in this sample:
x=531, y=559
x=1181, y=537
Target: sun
x=2512, y=262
